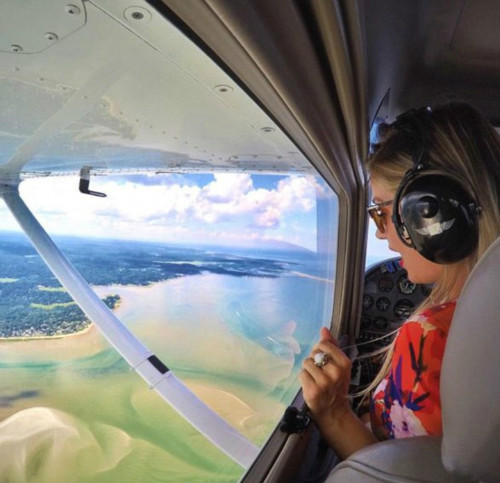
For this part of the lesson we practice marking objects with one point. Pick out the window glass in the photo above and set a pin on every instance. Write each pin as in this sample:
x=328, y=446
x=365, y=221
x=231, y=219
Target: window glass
x=226, y=278
x=215, y=245
x=376, y=250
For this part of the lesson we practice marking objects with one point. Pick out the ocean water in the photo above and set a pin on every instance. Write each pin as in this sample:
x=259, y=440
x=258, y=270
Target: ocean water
x=233, y=328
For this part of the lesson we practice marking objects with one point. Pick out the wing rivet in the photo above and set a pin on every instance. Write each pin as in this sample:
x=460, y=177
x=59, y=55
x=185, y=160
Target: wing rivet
x=223, y=89
x=72, y=10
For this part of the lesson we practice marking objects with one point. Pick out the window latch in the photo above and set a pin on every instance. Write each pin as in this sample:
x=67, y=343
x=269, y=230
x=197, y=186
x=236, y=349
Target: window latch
x=295, y=421
x=85, y=182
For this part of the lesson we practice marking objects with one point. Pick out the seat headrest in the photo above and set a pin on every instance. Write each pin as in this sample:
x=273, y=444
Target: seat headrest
x=470, y=378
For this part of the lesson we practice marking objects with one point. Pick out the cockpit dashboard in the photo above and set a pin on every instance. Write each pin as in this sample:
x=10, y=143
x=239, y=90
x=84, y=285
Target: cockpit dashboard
x=389, y=298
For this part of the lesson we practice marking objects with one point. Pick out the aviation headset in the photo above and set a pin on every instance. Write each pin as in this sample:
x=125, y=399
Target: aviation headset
x=433, y=212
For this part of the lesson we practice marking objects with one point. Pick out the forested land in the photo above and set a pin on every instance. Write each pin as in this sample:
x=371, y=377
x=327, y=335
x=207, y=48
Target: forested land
x=33, y=303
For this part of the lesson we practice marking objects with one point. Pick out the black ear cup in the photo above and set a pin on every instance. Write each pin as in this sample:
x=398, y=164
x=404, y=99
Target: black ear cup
x=435, y=214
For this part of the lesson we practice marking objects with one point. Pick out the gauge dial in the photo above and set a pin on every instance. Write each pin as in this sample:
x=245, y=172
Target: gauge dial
x=383, y=304
x=367, y=301
x=403, y=308
x=405, y=286
x=385, y=284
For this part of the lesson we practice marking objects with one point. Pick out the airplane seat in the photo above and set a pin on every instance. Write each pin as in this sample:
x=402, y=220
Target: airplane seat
x=469, y=450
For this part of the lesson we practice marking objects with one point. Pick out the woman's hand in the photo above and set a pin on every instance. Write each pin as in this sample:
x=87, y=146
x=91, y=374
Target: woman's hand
x=325, y=391
x=325, y=388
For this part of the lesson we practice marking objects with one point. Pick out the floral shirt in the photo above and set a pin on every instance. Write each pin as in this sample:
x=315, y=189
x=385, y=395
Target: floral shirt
x=407, y=402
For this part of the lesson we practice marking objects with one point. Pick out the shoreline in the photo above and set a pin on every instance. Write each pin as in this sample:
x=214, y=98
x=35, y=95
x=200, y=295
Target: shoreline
x=49, y=337
x=313, y=277
x=84, y=343
x=78, y=333
x=102, y=291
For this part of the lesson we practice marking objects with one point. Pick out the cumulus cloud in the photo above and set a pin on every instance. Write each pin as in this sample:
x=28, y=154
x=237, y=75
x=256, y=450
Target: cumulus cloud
x=231, y=196
x=225, y=205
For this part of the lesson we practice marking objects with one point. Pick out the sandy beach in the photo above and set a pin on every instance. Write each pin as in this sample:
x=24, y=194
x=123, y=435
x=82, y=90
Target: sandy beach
x=32, y=349
x=83, y=343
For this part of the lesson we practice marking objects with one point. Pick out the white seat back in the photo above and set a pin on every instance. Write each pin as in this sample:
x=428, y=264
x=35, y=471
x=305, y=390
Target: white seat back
x=470, y=378
x=469, y=450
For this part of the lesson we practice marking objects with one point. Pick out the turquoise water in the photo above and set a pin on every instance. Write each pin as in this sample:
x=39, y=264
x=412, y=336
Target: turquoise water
x=72, y=411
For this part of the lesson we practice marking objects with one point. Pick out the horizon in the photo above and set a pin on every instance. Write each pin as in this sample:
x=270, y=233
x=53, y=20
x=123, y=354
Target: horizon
x=272, y=246
x=220, y=209
x=227, y=210
x=377, y=254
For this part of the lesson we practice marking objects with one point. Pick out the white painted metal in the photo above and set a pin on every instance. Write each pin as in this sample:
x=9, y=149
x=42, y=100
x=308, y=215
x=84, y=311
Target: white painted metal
x=118, y=87
x=187, y=404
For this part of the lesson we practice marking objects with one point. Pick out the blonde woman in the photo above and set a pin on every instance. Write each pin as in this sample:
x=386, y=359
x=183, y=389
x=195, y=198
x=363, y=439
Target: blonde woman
x=435, y=180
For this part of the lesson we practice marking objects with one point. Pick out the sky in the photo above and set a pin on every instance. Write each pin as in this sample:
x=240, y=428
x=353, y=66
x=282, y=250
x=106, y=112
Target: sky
x=377, y=249
x=237, y=209
x=228, y=208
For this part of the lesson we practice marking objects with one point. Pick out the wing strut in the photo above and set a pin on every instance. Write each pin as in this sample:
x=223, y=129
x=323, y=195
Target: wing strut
x=141, y=359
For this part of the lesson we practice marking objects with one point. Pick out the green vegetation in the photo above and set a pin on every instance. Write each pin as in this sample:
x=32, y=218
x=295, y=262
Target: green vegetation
x=51, y=306
x=51, y=289
x=43, y=319
x=33, y=303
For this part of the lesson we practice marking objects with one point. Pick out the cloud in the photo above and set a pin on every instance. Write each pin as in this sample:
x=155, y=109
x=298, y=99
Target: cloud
x=226, y=187
x=225, y=205
x=230, y=196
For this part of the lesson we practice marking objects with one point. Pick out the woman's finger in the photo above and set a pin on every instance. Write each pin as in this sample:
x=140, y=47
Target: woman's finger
x=331, y=351
x=326, y=335
x=328, y=375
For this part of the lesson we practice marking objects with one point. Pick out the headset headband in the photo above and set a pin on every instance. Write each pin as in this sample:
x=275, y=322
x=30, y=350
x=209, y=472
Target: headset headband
x=413, y=123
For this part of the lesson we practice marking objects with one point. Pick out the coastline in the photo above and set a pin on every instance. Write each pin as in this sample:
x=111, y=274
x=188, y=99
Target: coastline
x=83, y=343
x=49, y=337
x=77, y=333
x=313, y=277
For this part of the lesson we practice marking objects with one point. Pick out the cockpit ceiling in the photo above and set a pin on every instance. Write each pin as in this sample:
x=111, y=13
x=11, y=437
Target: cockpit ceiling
x=112, y=85
x=433, y=50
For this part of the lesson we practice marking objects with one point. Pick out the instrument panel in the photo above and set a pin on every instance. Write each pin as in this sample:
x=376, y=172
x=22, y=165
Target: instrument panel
x=388, y=300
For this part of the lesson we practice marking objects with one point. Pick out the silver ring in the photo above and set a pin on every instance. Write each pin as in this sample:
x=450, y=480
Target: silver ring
x=320, y=359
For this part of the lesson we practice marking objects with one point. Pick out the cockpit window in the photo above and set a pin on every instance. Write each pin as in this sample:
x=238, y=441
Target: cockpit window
x=200, y=225
x=376, y=250
x=227, y=278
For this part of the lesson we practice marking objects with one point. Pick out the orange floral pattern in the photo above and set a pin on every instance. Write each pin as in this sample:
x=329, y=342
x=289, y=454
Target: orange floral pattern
x=407, y=402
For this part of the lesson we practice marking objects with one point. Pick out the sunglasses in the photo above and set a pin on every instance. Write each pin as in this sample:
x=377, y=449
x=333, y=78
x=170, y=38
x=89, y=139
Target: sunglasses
x=378, y=216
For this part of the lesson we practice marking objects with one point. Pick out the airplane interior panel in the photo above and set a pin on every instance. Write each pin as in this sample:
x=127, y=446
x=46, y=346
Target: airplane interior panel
x=389, y=298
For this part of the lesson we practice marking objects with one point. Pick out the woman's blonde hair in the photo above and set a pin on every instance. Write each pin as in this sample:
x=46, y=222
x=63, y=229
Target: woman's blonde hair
x=461, y=142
